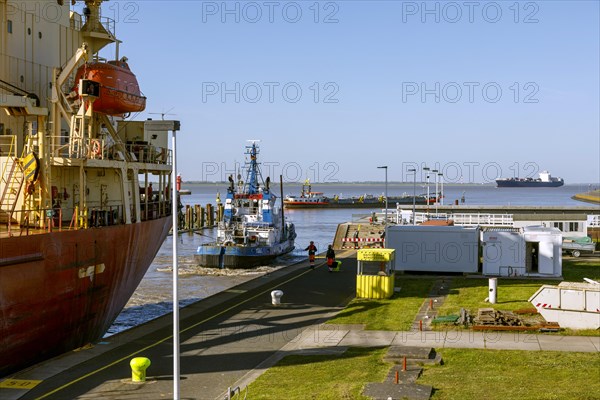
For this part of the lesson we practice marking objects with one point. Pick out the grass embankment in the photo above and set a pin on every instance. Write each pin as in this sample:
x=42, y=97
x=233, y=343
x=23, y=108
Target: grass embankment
x=395, y=314
x=398, y=313
x=513, y=294
x=466, y=373
x=322, y=377
x=500, y=374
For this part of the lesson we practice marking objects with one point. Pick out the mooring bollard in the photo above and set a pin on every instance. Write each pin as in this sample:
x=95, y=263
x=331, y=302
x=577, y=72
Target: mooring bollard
x=276, y=297
x=138, y=369
x=493, y=287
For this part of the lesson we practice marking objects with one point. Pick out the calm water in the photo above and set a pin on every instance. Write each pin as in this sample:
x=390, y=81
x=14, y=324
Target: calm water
x=153, y=296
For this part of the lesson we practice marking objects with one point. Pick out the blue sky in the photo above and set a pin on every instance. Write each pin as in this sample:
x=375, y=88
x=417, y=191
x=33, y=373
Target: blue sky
x=335, y=89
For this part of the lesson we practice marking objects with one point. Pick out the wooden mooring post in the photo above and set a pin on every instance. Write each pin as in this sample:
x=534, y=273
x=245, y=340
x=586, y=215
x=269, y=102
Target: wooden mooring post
x=210, y=215
x=198, y=217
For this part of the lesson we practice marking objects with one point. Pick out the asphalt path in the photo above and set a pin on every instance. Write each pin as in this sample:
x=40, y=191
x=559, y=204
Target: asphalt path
x=222, y=339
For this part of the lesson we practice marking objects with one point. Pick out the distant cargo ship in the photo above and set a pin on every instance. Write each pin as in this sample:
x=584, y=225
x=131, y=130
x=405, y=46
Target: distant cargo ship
x=545, y=180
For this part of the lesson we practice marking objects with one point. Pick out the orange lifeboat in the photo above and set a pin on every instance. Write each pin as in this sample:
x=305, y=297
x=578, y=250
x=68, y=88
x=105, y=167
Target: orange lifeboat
x=119, y=89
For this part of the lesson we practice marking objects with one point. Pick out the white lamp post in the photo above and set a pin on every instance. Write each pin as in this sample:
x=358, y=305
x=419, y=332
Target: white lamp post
x=173, y=126
x=442, y=187
x=427, y=169
x=414, y=217
x=435, y=173
x=386, y=194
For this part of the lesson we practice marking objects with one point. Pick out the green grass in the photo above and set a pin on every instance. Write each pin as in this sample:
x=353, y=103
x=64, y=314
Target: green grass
x=502, y=374
x=323, y=377
x=470, y=293
x=399, y=312
x=394, y=314
x=466, y=374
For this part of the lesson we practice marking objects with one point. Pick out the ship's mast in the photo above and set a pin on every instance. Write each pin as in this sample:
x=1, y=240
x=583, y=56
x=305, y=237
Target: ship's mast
x=253, y=171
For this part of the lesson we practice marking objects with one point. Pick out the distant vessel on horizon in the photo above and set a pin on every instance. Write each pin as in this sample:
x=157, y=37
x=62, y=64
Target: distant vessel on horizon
x=545, y=180
x=310, y=200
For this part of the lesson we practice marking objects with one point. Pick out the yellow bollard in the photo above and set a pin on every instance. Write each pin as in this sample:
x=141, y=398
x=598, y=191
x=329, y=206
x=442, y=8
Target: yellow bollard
x=138, y=369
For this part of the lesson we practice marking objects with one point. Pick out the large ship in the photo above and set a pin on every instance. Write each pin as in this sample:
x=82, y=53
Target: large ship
x=253, y=230
x=544, y=180
x=308, y=199
x=79, y=224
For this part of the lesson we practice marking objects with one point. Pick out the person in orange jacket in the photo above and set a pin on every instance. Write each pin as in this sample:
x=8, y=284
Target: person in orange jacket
x=330, y=258
x=312, y=250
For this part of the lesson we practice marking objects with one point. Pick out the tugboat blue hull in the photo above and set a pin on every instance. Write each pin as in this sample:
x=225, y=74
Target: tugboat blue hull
x=215, y=256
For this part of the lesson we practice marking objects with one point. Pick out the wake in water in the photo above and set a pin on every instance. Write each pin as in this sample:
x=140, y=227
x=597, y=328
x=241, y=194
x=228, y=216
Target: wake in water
x=153, y=298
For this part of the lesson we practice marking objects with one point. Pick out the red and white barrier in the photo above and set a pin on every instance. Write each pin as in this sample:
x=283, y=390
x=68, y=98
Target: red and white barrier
x=362, y=240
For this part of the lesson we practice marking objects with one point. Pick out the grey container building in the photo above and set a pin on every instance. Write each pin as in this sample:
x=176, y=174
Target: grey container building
x=434, y=248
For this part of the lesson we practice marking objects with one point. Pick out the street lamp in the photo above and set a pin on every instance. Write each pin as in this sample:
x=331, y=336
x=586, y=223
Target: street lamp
x=174, y=126
x=435, y=174
x=386, y=193
x=414, y=171
x=442, y=187
x=427, y=169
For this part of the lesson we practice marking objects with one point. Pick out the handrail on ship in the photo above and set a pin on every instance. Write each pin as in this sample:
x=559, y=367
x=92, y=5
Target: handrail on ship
x=76, y=23
x=100, y=149
x=37, y=221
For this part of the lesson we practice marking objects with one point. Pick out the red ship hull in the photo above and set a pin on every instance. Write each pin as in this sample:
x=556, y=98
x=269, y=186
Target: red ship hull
x=119, y=89
x=62, y=290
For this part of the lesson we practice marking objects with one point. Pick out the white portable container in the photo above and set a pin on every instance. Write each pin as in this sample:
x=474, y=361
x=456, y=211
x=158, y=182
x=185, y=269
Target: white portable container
x=529, y=251
x=434, y=248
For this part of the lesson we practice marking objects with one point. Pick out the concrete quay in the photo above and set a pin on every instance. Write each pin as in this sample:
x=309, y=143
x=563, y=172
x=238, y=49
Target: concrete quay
x=229, y=339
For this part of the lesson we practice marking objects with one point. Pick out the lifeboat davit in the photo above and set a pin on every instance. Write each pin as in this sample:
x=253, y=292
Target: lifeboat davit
x=119, y=89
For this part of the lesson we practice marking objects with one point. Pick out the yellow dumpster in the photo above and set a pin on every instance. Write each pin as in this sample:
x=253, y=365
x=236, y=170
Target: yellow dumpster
x=374, y=276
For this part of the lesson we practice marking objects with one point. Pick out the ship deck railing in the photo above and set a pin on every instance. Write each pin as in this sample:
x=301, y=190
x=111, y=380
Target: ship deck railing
x=77, y=22
x=34, y=222
x=105, y=148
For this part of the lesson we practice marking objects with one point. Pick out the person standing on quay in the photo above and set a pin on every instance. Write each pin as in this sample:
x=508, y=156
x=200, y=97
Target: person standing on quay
x=330, y=258
x=312, y=250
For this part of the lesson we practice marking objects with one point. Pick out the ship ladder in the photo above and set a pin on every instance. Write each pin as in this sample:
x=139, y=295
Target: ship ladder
x=13, y=184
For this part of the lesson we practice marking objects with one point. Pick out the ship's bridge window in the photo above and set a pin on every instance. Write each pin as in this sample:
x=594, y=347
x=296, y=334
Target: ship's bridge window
x=9, y=26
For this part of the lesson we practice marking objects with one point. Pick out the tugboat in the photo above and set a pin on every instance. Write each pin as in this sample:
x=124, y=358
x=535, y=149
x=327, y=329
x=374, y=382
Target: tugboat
x=79, y=224
x=253, y=231
x=545, y=180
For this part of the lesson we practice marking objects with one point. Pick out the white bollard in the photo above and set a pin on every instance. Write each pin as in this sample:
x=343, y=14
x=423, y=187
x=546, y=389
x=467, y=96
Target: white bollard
x=276, y=297
x=493, y=290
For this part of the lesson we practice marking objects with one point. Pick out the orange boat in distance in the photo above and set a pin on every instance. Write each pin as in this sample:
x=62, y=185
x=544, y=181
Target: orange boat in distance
x=119, y=90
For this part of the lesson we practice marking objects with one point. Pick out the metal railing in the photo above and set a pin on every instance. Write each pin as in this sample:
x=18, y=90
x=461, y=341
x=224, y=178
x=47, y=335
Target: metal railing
x=36, y=221
x=465, y=219
x=594, y=221
x=404, y=217
x=8, y=147
x=104, y=148
x=231, y=392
